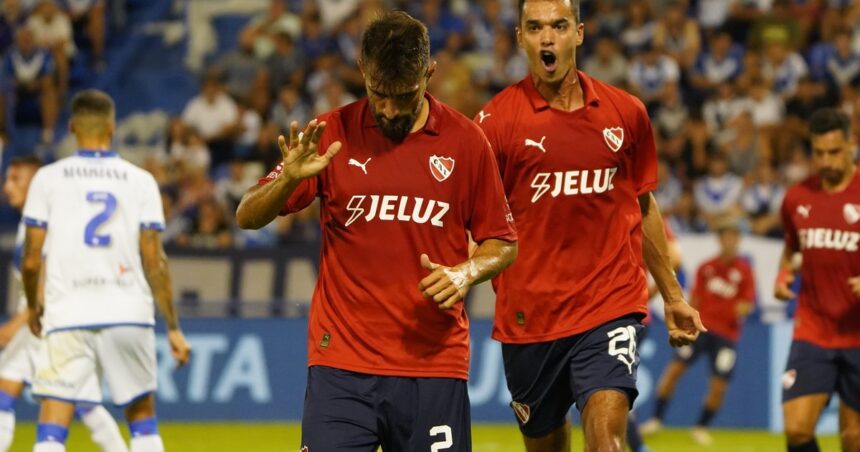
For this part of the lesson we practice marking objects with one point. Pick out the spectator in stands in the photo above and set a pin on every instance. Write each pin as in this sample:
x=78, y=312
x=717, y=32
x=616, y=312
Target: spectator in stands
x=686, y=216
x=607, y=63
x=505, y=66
x=263, y=29
x=778, y=25
x=189, y=154
x=796, y=168
x=783, y=68
x=720, y=109
x=12, y=16
x=229, y=190
x=216, y=116
x=719, y=192
x=250, y=123
x=722, y=62
x=209, y=228
x=334, y=96
x=485, y=22
x=267, y=152
x=638, y=32
x=669, y=188
x=52, y=30
x=670, y=118
x=290, y=107
x=314, y=42
x=334, y=12
x=286, y=65
x=762, y=200
x=746, y=145
x=742, y=15
x=650, y=74
x=176, y=224
x=843, y=65
x=88, y=19
x=240, y=69
x=767, y=108
x=28, y=72
x=441, y=24
x=607, y=20
x=712, y=14
x=678, y=35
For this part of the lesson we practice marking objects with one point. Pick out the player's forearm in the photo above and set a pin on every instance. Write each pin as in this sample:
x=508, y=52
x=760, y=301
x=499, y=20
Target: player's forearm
x=489, y=259
x=158, y=276
x=31, y=268
x=261, y=204
x=655, y=250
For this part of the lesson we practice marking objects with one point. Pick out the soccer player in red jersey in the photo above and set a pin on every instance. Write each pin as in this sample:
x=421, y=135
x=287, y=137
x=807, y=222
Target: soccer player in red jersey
x=402, y=180
x=821, y=219
x=578, y=163
x=724, y=293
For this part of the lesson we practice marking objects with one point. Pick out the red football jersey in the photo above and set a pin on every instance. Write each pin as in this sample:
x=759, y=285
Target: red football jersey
x=825, y=228
x=383, y=204
x=719, y=288
x=573, y=181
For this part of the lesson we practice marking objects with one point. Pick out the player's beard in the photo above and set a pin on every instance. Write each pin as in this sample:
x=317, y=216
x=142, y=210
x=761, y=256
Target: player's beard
x=397, y=129
x=831, y=175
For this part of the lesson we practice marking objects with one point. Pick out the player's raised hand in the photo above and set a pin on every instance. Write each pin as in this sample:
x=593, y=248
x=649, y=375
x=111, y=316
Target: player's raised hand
x=445, y=285
x=35, y=321
x=179, y=347
x=782, y=287
x=855, y=285
x=683, y=323
x=301, y=158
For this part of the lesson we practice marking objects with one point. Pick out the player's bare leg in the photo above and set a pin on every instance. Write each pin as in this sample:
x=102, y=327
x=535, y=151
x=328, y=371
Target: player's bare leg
x=54, y=419
x=665, y=389
x=713, y=402
x=143, y=425
x=849, y=428
x=800, y=416
x=604, y=421
x=556, y=441
x=9, y=393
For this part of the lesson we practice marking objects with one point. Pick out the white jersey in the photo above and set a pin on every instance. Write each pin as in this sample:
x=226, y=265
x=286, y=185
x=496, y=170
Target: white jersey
x=16, y=256
x=94, y=205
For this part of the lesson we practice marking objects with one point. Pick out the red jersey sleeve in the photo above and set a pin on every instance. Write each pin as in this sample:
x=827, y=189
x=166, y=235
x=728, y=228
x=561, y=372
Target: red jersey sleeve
x=490, y=126
x=302, y=197
x=790, y=231
x=747, y=289
x=644, y=152
x=490, y=217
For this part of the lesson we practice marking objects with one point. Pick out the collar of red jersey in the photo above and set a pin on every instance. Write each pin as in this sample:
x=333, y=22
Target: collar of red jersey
x=432, y=125
x=539, y=103
x=96, y=153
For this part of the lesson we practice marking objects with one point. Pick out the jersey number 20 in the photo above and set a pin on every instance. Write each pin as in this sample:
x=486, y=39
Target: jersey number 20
x=91, y=236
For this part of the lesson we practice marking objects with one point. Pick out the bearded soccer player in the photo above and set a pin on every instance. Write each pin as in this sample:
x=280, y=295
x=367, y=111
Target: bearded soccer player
x=821, y=219
x=578, y=163
x=401, y=178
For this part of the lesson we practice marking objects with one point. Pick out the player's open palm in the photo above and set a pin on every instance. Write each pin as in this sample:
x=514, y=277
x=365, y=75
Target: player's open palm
x=683, y=323
x=179, y=347
x=445, y=285
x=301, y=157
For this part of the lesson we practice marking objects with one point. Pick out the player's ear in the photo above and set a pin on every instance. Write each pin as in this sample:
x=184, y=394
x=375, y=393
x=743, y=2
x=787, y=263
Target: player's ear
x=580, y=33
x=519, y=37
x=431, y=69
x=72, y=126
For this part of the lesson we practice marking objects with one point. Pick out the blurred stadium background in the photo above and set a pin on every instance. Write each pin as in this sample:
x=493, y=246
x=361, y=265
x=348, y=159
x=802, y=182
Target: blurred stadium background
x=203, y=88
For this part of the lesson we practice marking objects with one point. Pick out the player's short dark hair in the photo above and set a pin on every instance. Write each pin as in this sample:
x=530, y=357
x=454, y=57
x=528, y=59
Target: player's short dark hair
x=827, y=120
x=25, y=160
x=395, y=49
x=574, y=6
x=92, y=102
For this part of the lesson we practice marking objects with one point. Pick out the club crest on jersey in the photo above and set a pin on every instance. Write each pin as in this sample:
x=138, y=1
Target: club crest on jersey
x=441, y=167
x=614, y=137
x=851, y=212
x=522, y=411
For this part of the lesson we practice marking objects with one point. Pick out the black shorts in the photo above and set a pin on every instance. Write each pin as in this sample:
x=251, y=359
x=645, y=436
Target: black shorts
x=816, y=370
x=722, y=354
x=349, y=411
x=546, y=378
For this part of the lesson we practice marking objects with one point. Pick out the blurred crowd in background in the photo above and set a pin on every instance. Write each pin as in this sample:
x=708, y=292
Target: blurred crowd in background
x=728, y=83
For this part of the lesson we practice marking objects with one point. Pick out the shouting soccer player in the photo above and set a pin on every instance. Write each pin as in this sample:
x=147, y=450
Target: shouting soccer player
x=578, y=163
x=724, y=293
x=21, y=347
x=401, y=178
x=99, y=218
x=821, y=219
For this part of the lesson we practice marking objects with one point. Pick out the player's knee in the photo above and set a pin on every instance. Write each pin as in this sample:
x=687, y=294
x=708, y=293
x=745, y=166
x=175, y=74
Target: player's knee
x=796, y=435
x=606, y=443
x=850, y=439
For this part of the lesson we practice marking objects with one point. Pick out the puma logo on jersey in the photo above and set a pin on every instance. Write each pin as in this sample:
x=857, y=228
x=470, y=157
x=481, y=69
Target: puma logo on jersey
x=394, y=207
x=363, y=166
x=482, y=116
x=537, y=144
x=803, y=210
x=830, y=239
x=721, y=287
x=576, y=182
x=614, y=137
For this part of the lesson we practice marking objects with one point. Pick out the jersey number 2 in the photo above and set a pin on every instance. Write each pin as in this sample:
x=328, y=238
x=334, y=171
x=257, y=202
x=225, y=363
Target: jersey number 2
x=91, y=236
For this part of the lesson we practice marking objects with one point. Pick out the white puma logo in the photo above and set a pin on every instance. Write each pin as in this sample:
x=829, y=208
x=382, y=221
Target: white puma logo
x=804, y=210
x=539, y=145
x=483, y=116
x=363, y=166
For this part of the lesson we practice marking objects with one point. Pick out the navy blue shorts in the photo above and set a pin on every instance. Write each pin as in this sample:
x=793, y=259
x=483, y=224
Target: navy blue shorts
x=816, y=370
x=349, y=411
x=546, y=378
x=722, y=354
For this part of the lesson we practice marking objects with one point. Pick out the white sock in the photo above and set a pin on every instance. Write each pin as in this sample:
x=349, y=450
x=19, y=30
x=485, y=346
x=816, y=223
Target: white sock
x=7, y=429
x=103, y=429
x=49, y=446
x=147, y=443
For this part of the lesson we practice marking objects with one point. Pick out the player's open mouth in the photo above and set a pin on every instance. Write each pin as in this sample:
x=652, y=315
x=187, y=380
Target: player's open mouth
x=549, y=60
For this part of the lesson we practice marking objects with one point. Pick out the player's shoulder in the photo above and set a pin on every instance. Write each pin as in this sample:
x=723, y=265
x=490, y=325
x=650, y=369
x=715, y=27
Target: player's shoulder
x=509, y=98
x=626, y=103
x=710, y=263
x=340, y=118
x=810, y=185
x=456, y=124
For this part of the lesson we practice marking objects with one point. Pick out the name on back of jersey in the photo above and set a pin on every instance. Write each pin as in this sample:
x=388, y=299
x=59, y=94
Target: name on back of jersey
x=571, y=183
x=396, y=208
x=95, y=172
x=830, y=239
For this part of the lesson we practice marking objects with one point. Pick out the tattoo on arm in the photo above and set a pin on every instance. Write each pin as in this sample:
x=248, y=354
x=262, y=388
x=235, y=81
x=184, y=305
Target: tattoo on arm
x=158, y=276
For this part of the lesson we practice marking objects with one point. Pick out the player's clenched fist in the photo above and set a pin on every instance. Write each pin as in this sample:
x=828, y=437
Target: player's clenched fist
x=179, y=347
x=301, y=157
x=446, y=285
x=683, y=323
x=35, y=321
x=782, y=287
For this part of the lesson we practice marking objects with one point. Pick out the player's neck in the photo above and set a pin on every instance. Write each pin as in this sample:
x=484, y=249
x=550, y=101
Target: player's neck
x=94, y=144
x=422, y=116
x=566, y=95
x=842, y=184
x=728, y=257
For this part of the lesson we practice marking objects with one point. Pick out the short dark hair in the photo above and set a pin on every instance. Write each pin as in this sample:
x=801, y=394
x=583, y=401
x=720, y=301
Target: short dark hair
x=92, y=102
x=574, y=6
x=827, y=120
x=25, y=160
x=395, y=49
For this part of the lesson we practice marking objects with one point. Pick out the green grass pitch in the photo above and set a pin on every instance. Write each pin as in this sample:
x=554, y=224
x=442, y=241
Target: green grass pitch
x=271, y=437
